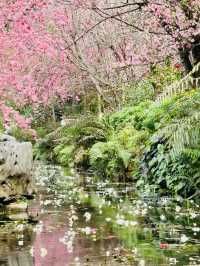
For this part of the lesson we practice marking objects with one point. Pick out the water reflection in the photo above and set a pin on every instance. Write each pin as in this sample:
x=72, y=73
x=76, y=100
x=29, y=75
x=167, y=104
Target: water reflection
x=15, y=242
x=85, y=222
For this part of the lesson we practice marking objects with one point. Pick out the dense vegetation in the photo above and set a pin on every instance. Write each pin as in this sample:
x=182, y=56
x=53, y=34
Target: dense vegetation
x=124, y=76
x=107, y=91
x=152, y=143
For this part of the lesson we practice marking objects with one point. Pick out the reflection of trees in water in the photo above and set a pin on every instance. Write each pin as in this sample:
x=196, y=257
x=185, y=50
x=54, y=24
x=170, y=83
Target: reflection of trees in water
x=56, y=253
x=14, y=242
x=48, y=249
x=20, y=259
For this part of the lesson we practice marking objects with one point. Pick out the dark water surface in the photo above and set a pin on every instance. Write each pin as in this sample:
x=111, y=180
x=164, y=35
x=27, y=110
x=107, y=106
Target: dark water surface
x=83, y=222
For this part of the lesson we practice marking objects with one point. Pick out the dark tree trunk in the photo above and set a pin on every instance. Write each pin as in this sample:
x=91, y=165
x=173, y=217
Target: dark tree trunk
x=185, y=59
x=196, y=55
x=190, y=58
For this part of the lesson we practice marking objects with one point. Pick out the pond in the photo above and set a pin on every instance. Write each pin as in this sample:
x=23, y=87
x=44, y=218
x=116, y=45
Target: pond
x=82, y=221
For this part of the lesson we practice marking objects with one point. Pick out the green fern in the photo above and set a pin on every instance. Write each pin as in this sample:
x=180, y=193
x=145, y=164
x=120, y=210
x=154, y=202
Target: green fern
x=125, y=156
x=182, y=133
x=194, y=154
x=185, y=132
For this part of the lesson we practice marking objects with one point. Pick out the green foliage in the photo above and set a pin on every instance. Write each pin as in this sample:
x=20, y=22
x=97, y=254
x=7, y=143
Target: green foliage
x=64, y=153
x=43, y=150
x=72, y=141
x=154, y=143
x=149, y=87
x=172, y=174
x=118, y=156
x=182, y=130
x=21, y=134
x=163, y=76
x=187, y=83
x=1, y=125
x=136, y=129
x=104, y=157
x=133, y=94
x=130, y=115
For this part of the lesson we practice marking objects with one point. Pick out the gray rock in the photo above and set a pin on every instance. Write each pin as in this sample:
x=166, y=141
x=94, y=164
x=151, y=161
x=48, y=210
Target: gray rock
x=18, y=206
x=16, y=162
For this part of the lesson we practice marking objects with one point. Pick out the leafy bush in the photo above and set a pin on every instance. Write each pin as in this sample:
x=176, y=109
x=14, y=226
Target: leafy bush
x=154, y=143
x=119, y=156
x=163, y=76
x=134, y=94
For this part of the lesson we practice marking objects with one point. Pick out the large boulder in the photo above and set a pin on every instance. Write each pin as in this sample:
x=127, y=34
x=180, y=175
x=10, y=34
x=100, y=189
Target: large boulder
x=15, y=168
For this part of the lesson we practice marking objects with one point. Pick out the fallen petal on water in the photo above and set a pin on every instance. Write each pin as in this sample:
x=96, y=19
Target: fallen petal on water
x=43, y=252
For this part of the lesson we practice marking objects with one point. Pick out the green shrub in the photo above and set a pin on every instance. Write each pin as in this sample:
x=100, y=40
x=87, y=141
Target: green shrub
x=134, y=94
x=108, y=159
x=139, y=141
x=63, y=153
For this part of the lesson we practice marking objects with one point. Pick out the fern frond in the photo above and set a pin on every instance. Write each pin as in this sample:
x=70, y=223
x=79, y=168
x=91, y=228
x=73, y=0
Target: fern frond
x=183, y=133
x=180, y=86
x=192, y=153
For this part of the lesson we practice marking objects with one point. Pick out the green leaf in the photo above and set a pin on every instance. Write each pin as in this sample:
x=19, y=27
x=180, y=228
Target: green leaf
x=125, y=156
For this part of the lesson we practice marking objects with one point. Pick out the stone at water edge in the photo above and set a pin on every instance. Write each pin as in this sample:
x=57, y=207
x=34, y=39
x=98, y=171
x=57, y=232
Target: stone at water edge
x=16, y=161
x=18, y=216
x=18, y=206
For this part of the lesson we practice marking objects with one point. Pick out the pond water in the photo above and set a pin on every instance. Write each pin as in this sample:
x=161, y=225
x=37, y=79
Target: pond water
x=82, y=221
